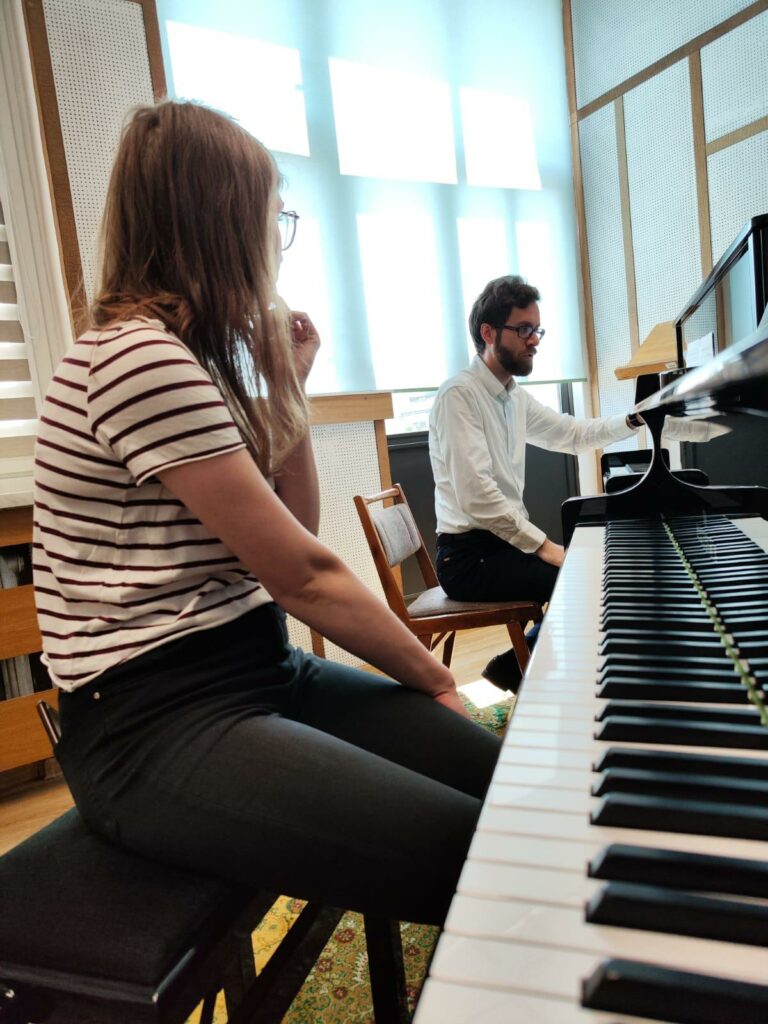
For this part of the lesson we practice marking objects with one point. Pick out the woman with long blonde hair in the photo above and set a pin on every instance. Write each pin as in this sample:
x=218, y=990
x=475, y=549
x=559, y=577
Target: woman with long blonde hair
x=176, y=507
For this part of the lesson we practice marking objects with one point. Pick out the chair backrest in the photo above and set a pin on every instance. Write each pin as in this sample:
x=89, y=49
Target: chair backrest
x=393, y=536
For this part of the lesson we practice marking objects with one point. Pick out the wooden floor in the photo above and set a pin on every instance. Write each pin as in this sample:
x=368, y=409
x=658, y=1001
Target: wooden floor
x=25, y=809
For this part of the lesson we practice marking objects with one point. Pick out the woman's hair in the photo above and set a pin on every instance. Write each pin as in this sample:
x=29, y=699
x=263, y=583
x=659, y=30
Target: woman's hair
x=187, y=239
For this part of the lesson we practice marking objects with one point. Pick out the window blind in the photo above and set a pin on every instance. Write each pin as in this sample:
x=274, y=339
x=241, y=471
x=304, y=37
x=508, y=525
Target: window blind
x=18, y=423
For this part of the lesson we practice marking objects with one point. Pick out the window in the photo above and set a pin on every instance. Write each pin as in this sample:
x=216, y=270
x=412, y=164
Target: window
x=423, y=157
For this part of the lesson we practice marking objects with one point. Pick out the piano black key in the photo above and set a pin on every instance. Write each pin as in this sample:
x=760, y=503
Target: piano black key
x=618, y=642
x=737, y=716
x=680, y=786
x=653, y=909
x=641, y=689
x=619, y=667
x=696, y=872
x=644, y=990
x=682, y=733
x=673, y=761
x=663, y=814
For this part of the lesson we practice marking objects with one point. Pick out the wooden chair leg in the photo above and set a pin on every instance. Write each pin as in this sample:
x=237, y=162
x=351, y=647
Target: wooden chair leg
x=385, y=967
x=448, y=649
x=426, y=639
x=519, y=643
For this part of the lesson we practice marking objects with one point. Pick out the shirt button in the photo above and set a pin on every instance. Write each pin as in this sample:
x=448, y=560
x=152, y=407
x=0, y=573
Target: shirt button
x=96, y=695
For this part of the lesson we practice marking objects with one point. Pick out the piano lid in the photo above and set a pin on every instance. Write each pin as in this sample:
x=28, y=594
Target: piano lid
x=736, y=380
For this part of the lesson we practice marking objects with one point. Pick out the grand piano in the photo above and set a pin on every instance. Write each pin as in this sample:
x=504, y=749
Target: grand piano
x=619, y=870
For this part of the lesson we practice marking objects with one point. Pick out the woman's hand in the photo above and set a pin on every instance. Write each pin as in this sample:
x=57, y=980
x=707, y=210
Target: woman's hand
x=306, y=342
x=450, y=699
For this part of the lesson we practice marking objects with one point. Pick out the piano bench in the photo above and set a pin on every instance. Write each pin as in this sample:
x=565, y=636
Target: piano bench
x=92, y=934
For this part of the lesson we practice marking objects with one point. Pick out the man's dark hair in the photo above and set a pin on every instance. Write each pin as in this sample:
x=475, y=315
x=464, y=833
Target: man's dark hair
x=496, y=300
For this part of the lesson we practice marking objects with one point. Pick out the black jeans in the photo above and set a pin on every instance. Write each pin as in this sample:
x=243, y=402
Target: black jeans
x=479, y=566
x=232, y=753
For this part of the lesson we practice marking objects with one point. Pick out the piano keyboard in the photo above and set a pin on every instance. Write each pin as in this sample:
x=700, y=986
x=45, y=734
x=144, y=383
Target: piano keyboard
x=619, y=871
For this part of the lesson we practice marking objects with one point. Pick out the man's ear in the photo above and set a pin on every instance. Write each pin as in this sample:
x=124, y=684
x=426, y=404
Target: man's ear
x=487, y=333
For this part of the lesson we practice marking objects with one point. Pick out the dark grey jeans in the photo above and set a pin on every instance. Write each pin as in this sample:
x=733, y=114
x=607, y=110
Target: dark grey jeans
x=232, y=753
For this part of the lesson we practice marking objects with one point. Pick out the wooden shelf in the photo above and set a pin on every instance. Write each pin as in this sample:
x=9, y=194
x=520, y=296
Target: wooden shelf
x=22, y=738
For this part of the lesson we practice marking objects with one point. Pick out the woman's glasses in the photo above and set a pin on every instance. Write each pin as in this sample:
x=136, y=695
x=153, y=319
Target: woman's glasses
x=286, y=222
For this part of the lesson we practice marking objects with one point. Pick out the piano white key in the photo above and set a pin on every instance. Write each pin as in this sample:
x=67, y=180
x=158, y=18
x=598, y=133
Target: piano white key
x=514, y=821
x=550, y=970
x=756, y=529
x=524, y=859
x=444, y=1002
x=565, y=927
x=539, y=775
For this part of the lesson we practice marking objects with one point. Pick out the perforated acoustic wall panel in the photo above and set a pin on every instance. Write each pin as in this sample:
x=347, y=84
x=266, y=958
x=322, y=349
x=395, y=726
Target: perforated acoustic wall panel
x=615, y=39
x=662, y=191
x=734, y=78
x=101, y=70
x=602, y=200
x=347, y=465
x=738, y=188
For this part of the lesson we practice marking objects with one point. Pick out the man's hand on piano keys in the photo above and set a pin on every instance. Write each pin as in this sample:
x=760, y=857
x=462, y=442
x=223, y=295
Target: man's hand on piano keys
x=552, y=554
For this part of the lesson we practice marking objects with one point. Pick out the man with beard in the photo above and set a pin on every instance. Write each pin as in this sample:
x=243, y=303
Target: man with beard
x=481, y=420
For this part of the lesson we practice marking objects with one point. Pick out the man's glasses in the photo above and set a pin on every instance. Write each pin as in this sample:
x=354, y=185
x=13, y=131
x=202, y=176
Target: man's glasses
x=286, y=222
x=524, y=330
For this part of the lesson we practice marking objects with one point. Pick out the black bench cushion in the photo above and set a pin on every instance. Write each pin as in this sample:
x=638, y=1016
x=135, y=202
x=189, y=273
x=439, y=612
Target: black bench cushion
x=72, y=902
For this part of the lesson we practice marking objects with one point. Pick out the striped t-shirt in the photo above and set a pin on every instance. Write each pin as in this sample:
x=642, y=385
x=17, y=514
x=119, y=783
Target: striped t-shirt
x=120, y=564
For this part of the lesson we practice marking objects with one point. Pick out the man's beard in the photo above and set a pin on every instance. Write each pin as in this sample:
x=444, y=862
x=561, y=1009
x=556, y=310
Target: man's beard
x=518, y=366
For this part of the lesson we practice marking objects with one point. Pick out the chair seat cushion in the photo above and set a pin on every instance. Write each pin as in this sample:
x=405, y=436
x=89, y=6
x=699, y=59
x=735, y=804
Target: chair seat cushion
x=72, y=902
x=435, y=601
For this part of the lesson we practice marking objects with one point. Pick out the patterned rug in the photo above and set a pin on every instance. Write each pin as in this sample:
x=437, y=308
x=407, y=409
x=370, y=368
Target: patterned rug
x=337, y=989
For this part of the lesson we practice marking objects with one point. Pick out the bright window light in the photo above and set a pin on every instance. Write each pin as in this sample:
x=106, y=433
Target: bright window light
x=499, y=147
x=255, y=82
x=483, y=255
x=302, y=283
x=536, y=263
x=402, y=294
x=390, y=124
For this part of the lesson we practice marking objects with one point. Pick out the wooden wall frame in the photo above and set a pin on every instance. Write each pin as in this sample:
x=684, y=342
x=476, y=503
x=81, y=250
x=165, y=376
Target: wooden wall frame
x=53, y=140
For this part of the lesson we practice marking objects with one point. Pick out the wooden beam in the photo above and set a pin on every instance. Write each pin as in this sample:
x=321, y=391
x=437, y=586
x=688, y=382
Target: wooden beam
x=676, y=55
x=154, y=48
x=700, y=162
x=353, y=408
x=738, y=135
x=56, y=160
x=626, y=226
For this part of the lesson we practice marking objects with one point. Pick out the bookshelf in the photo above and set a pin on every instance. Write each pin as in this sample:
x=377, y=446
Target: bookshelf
x=22, y=739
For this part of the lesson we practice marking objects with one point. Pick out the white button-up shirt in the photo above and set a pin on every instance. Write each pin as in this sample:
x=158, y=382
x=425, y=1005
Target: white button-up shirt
x=478, y=429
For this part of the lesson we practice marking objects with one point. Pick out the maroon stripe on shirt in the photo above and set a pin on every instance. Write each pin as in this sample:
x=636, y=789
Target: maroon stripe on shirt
x=201, y=563
x=69, y=383
x=139, y=371
x=124, y=626
x=74, y=362
x=97, y=542
x=74, y=454
x=149, y=343
x=86, y=479
x=117, y=524
x=211, y=451
x=172, y=438
x=168, y=414
x=67, y=429
x=157, y=588
x=67, y=406
x=128, y=646
x=150, y=393
x=139, y=601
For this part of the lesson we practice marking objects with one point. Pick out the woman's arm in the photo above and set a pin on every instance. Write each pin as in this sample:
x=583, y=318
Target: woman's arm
x=297, y=486
x=231, y=497
x=296, y=481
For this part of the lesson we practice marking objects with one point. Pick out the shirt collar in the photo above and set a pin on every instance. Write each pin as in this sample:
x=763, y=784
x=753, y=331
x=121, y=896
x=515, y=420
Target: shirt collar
x=490, y=382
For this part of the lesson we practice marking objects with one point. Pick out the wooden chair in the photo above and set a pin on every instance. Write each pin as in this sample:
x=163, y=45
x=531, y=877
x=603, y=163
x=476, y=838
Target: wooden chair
x=393, y=536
